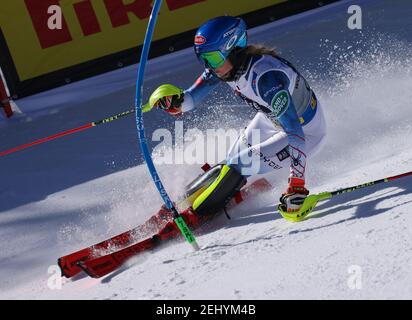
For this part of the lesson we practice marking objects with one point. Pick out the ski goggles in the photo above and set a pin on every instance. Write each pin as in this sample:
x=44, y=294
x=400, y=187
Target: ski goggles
x=213, y=59
x=216, y=59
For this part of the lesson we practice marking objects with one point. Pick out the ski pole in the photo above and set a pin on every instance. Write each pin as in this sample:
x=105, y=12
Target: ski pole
x=311, y=201
x=141, y=133
x=67, y=132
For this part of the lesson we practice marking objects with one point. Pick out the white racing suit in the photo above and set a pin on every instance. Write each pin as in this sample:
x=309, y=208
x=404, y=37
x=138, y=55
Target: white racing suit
x=289, y=125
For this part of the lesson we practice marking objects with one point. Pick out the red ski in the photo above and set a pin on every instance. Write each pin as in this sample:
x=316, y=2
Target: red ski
x=103, y=265
x=69, y=264
x=104, y=257
x=108, y=263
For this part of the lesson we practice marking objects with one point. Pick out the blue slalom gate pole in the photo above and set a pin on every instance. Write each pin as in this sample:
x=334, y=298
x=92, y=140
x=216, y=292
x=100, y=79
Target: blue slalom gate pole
x=141, y=133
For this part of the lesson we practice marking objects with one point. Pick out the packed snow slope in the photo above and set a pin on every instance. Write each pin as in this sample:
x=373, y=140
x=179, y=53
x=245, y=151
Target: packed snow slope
x=63, y=195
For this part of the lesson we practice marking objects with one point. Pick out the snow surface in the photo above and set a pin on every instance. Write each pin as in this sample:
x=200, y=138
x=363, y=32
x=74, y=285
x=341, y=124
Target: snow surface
x=60, y=196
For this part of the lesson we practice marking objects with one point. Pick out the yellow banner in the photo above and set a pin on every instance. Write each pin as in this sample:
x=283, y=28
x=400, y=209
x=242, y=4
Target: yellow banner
x=41, y=40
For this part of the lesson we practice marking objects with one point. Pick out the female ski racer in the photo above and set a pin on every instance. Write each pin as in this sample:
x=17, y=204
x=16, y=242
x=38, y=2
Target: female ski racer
x=289, y=120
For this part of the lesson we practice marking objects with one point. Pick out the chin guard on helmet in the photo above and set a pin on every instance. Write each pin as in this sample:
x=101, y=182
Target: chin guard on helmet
x=164, y=90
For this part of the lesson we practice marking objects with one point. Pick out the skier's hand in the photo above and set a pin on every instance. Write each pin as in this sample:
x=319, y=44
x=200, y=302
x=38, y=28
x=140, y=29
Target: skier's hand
x=171, y=104
x=295, y=195
x=167, y=97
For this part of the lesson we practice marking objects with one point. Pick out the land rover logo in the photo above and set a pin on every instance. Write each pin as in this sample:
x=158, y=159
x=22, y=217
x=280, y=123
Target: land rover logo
x=280, y=103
